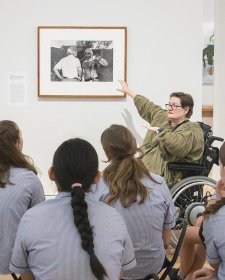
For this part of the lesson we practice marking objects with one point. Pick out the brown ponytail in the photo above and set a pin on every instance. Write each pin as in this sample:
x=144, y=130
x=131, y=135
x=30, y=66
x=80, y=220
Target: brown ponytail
x=213, y=208
x=124, y=173
x=10, y=155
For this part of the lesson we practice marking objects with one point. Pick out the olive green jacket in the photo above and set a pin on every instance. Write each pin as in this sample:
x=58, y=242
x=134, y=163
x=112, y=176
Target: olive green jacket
x=185, y=143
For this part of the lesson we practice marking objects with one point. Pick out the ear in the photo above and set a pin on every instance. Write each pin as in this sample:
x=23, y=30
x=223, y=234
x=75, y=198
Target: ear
x=51, y=174
x=186, y=109
x=19, y=145
x=97, y=177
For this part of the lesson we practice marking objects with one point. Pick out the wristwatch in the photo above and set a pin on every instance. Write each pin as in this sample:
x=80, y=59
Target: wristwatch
x=159, y=130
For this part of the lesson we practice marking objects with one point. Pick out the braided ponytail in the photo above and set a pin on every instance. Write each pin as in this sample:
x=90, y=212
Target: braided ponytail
x=82, y=223
x=76, y=161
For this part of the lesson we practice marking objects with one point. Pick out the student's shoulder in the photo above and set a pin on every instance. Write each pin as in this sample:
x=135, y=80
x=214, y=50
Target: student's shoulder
x=159, y=185
x=159, y=179
x=215, y=224
x=156, y=181
x=102, y=210
x=100, y=190
x=218, y=217
x=22, y=174
x=40, y=209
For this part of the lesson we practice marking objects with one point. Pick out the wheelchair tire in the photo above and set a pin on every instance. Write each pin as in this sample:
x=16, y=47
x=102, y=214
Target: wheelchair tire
x=190, y=197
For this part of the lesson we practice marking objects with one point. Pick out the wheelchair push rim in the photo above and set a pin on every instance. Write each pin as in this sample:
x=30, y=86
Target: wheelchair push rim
x=190, y=197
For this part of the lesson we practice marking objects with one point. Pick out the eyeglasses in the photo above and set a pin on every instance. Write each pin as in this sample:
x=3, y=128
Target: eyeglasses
x=172, y=106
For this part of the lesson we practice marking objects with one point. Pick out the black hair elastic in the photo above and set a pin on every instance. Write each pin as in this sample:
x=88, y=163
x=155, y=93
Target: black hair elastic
x=91, y=252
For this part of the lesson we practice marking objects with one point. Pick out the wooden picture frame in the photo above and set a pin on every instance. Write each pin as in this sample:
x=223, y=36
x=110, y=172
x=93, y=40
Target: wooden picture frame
x=77, y=61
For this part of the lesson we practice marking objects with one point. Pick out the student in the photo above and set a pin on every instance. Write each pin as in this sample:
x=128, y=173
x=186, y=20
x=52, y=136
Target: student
x=192, y=252
x=213, y=230
x=72, y=236
x=171, y=136
x=142, y=198
x=207, y=234
x=20, y=188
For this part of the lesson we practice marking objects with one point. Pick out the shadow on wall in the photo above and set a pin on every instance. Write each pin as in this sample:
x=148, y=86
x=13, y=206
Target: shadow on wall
x=130, y=125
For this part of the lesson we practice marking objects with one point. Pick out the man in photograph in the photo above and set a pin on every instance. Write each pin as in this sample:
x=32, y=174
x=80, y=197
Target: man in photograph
x=90, y=66
x=69, y=67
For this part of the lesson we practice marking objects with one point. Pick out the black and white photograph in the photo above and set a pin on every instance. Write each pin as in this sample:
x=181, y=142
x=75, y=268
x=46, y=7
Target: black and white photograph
x=82, y=61
x=75, y=61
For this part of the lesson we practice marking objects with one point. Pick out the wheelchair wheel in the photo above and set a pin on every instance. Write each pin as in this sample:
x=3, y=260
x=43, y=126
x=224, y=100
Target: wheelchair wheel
x=190, y=197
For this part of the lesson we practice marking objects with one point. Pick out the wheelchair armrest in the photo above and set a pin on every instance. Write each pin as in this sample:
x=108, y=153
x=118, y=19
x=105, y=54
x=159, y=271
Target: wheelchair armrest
x=186, y=166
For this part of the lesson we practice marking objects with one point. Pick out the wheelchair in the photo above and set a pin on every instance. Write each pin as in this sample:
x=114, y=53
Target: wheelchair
x=191, y=194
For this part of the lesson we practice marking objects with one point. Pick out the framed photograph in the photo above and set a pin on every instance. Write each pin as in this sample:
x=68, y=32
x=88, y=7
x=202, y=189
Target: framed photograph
x=76, y=61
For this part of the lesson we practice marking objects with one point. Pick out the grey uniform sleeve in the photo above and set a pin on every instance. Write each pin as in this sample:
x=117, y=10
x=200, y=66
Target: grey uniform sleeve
x=170, y=216
x=214, y=239
x=100, y=191
x=19, y=260
x=36, y=187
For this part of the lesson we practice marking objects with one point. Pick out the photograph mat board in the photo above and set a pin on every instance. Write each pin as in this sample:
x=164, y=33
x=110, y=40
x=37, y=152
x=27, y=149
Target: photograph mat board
x=46, y=37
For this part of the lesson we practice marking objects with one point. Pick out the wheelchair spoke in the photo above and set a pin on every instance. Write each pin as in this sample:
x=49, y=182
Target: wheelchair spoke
x=190, y=196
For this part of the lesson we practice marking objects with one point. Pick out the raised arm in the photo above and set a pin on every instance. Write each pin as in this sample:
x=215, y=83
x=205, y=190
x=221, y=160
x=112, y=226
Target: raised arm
x=101, y=61
x=147, y=109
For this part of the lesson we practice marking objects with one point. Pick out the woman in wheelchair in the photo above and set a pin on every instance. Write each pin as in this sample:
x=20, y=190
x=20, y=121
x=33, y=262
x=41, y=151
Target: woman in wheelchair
x=171, y=136
x=142, y=198
x=206, y=238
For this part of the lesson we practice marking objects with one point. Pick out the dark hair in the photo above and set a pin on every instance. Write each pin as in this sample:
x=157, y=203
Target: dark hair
x=213, y=208
x=124, y=173
x=186, y=100
x=10, y=155
x=76, y=161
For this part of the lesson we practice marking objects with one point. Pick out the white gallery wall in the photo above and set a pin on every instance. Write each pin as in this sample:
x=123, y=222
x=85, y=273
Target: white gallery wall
x=164, y=50
x=219, y=86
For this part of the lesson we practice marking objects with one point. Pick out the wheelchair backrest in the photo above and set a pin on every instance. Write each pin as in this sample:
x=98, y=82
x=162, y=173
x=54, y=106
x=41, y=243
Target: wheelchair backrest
x=210, y=155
